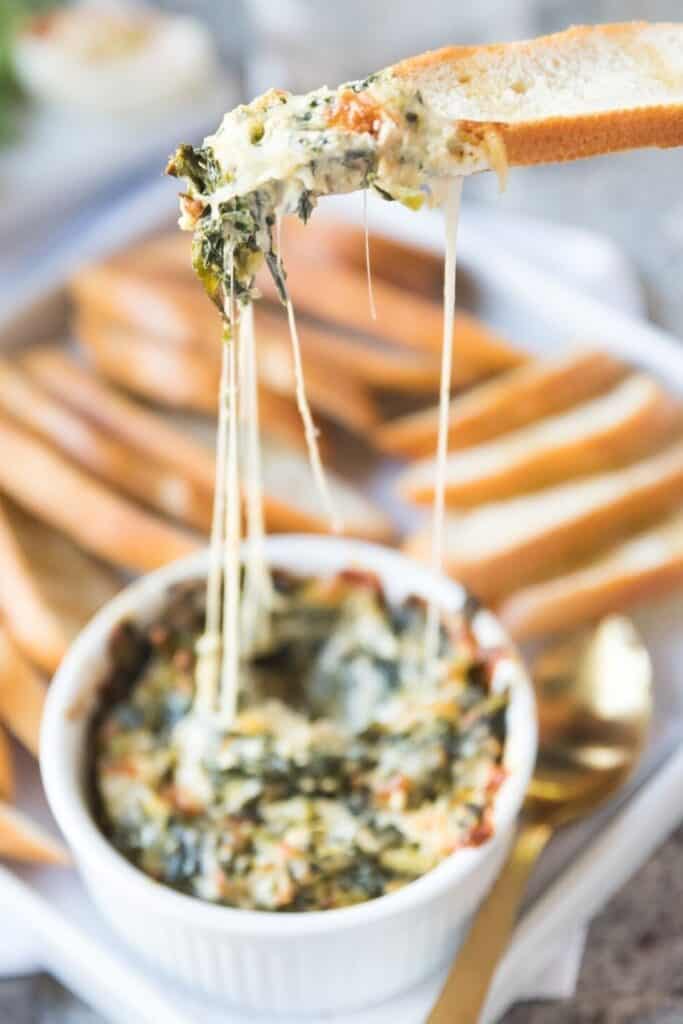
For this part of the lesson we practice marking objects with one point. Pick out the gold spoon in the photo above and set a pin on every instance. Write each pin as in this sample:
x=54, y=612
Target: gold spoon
x=594, y=709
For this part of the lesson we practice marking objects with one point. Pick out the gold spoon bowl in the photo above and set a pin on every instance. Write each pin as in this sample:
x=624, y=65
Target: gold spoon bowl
x=594, y=708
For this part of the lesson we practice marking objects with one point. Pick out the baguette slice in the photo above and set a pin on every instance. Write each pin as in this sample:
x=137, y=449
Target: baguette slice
x=589, y=90
x=23, y=840
x=107, y=457
x=351, y=406
x=512, y=400
x=371, y=361
x=49, y=588
x=176, y=379
x=22, y=694
x=333, y=241
x=292, y=502
x=640, y=569
x=340, y=297
x=501, y=547
x=628, y=423
x=168, y=304
x=104, y=523
x=137, y=426
x=6, y=768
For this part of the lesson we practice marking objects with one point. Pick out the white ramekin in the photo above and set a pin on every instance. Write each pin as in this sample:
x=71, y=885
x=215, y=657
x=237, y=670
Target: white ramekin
x=282, y=963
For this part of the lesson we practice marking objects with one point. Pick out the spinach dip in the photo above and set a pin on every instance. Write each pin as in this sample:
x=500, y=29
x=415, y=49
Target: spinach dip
x=352, y=767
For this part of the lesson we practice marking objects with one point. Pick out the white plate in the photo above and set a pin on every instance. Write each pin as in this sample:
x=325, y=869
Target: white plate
x=585, y=864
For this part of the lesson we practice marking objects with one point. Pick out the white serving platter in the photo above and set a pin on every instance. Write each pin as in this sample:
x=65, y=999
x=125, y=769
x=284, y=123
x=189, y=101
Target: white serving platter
x=586, y=863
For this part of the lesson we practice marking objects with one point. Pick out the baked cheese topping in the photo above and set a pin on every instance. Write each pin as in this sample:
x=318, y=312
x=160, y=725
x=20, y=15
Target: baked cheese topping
x=347, y=772
x=279, y=154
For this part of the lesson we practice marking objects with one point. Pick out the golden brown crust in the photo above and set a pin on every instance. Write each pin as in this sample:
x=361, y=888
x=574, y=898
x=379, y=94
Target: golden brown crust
x=112, y=460
x=506, y=403
x=559, y=139
x=549, y=461
x=22, y=694
x=6, y=768
x=568, y=602
x=34, y=626
x=492, y=575
x=122, y=417
x=96, y=518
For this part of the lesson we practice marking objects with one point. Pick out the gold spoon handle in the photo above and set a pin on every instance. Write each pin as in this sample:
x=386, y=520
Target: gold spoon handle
x=464, y=993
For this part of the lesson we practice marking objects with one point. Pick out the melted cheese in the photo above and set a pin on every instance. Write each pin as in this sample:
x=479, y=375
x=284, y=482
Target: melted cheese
x=231, y=554
x=452, y=211
x=209, y=645
x=310, y=431
x=368, y=270
x=257, y=597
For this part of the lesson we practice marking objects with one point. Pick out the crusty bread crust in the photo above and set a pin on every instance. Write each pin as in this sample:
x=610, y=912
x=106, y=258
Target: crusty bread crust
x=556, y=139
x=607, y=585
x=96, y=518
x=541, y=553
x=508, y=402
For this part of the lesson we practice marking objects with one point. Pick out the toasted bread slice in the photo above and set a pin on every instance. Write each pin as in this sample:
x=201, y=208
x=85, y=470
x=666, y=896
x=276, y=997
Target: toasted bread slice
x=152, y=302
x=340, y=297
x=373, y=361
x=22, y=839
x=513, y=400
x=292, y=503
x=22, y=694
x=177, y=379
x=407, y=266
x=645, y=567
x=49, y=588
x=501, y=547
x=6, y=768
x=138, y=427
x=147, y=366
x=589, y=90
x=351, y=406
x=107, y=457
x=630, y=421
x=96, y=518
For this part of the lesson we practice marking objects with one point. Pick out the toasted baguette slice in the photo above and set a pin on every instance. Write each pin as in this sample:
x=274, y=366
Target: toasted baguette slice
x=170, y=306
x=373, y=361
x=6, y=768
x=501, y=547
x=588, y=90
x=137, y=426
x=351, y=406
x=22, y=694
x=49, y=588
x=177, y=379
x=645, y=567
x=512, y=400
x=107, y=457
x=147, y=366
x=22, y=839
x=292, y=503
x=627, y=423
x=340, y=297
x=407, y=266
x=97, y=519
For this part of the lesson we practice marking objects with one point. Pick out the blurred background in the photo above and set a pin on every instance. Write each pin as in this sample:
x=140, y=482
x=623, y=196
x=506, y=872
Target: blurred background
x=90, y=105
